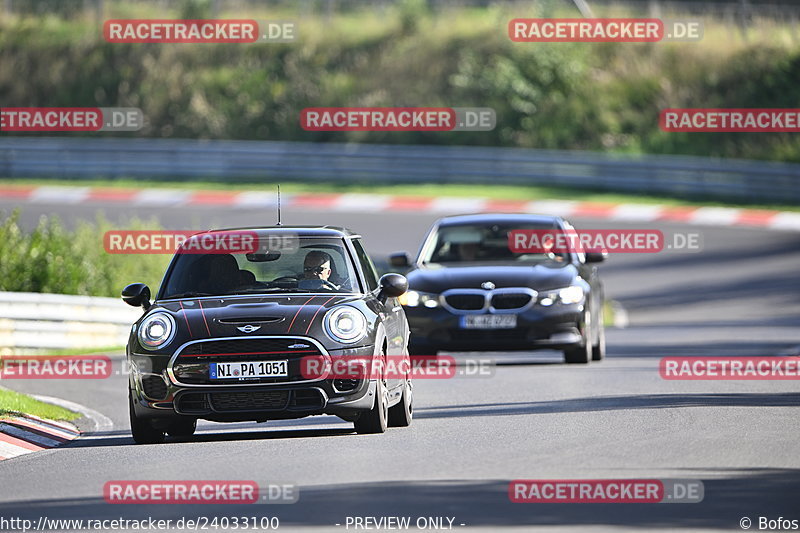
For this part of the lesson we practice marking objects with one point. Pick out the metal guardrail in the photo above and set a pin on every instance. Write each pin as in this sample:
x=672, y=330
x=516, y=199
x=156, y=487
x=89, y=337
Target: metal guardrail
x=684, y=176
x=31, y=322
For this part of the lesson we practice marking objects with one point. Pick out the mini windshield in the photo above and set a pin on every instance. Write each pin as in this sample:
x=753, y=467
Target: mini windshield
x=299, y=264
x=472, y=243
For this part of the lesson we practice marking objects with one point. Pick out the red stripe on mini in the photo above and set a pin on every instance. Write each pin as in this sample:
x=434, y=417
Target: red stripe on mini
x=202, y=312
x=316, y=313
x=186, y=318
x=284, y=352
x=297, y=313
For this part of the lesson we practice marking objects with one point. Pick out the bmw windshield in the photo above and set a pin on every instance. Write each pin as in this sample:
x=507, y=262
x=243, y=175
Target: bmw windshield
x=481, y=244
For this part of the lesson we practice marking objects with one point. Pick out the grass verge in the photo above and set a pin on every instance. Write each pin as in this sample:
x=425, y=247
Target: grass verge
x=15, y=403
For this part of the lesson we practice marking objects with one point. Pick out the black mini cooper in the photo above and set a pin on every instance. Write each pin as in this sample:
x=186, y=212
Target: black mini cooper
x=231, y=327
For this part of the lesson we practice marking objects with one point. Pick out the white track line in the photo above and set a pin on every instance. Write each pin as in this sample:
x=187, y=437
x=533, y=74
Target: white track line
x=101, y=421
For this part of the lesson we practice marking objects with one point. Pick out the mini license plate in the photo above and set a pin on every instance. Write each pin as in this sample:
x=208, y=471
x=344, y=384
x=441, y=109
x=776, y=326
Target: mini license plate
x=489, y=321
x=249, y=369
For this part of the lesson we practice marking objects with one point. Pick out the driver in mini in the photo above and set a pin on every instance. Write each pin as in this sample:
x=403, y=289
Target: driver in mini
x=317, y=266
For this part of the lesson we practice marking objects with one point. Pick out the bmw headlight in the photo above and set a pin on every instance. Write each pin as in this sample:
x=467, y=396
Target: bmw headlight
x=156, y=330
x=416, y=299
x=346, y=324
x=568, y=295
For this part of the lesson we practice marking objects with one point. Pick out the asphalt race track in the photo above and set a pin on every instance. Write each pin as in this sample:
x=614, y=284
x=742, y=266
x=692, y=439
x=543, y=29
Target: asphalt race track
x=535, y=418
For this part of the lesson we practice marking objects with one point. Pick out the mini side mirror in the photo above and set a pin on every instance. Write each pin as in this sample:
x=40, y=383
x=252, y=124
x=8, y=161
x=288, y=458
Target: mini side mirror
x=393, y=285
x=137, y=295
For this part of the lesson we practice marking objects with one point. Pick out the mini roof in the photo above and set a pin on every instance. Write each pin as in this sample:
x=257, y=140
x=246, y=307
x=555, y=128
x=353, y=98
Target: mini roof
x=303, y=231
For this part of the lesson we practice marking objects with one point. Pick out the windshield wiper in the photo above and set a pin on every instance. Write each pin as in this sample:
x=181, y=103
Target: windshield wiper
x=188, y=295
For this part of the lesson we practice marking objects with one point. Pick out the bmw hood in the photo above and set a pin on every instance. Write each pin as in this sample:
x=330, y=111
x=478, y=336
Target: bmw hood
x=537, y=277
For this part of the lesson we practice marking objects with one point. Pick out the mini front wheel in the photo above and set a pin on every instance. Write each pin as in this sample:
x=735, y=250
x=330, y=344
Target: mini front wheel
x=142, y=428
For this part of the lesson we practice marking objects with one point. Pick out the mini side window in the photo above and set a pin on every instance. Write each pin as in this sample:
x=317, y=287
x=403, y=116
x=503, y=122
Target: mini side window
x=370, y=274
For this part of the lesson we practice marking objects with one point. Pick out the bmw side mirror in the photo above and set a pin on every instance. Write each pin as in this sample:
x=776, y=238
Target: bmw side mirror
x=596, y=257
x=137, y=295
x=393, y=285
x=399, y=260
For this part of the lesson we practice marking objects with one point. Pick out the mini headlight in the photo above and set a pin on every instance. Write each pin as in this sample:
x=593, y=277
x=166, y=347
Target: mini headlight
x=346, y=324
x=156, y=330
x=416, y=298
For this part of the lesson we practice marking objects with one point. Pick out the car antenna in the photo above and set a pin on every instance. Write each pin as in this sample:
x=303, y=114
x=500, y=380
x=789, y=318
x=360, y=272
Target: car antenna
x=279, y=204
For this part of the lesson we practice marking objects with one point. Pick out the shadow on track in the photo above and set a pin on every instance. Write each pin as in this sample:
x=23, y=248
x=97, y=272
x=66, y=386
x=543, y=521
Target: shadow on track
x=612, y=403
x=729, y=495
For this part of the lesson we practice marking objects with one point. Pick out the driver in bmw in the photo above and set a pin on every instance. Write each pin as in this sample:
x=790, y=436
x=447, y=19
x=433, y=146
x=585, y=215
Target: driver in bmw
x=317, y=266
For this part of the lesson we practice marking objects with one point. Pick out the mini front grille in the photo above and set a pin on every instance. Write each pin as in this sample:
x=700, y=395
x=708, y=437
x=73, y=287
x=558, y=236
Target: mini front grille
x=200, y=403
x=510, y=300
x=466, y=302
x=154, y=387
x=248, y=400
x=250, y=347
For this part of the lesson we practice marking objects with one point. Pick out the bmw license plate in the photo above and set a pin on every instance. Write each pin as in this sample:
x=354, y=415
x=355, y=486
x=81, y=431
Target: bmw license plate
x=489, y=321
x=249, y=369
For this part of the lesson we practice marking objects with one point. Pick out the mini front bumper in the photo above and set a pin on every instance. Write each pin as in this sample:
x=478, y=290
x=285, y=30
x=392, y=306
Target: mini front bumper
x=157, y=394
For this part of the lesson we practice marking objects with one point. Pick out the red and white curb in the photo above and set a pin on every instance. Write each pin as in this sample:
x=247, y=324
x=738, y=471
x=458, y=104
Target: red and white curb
x=356, y=202
x=28, y=434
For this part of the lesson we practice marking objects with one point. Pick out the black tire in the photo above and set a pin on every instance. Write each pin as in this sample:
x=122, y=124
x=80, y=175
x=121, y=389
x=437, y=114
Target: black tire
x=141, y=428
x=581, y=354
x=599, y=349
x=376, y=419
x=183, y=427
x=401, y=414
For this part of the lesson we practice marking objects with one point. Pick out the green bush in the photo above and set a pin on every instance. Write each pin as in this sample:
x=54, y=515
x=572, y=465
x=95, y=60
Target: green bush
x=547, y=95
x=53, y=259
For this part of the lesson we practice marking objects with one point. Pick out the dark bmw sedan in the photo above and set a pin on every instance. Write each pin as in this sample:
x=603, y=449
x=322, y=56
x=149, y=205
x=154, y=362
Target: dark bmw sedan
x=469, y=290
x=230, y=334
